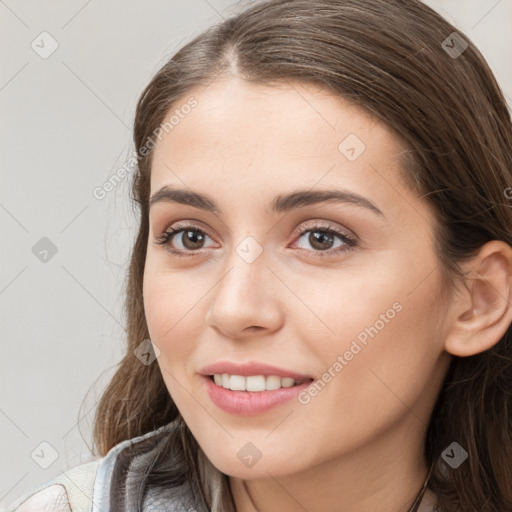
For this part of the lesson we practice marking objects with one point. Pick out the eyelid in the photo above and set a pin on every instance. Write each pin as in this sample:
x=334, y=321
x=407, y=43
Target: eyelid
x=324, y=225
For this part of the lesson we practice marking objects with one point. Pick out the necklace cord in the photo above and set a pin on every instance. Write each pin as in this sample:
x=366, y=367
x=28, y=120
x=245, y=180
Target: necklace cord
x=419, y=497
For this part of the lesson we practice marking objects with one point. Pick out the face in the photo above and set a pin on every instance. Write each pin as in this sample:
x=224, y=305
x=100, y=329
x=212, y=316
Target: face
x=345, y=291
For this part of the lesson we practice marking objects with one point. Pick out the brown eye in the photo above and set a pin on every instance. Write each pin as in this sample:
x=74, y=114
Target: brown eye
x=181, y=240
x=323, y=240
x=320, y=240
x=191, y=238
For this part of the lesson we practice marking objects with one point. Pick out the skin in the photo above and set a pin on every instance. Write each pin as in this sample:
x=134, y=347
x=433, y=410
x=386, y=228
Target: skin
x=358, y=445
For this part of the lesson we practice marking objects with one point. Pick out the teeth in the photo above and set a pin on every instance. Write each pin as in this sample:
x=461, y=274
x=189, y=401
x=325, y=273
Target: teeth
x=253, y=383
x=237, y=383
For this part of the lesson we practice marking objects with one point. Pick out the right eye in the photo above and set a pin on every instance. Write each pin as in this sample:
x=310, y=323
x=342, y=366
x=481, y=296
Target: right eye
x=190, y=237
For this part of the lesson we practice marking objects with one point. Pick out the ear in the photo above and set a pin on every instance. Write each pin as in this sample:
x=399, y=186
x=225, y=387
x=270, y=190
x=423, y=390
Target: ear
x=483, y=312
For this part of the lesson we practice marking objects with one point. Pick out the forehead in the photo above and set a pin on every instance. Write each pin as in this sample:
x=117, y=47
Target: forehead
x=241, y=114
x=259, y=137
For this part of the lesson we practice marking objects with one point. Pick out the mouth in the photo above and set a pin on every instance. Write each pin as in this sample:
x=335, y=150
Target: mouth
x=255, y=383
x=261, y=393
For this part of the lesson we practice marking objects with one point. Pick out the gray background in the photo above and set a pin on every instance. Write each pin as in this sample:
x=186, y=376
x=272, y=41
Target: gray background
x=65, y=127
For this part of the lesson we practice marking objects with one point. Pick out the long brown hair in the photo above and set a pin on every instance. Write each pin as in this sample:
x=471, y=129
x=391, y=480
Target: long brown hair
x=391, y=58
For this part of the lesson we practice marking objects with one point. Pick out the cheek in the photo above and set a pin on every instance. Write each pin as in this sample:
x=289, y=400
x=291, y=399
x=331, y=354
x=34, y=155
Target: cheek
x=174, y=312
x=379, y=341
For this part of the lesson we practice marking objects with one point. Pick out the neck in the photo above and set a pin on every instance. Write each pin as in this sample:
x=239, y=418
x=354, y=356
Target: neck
x=383, y=475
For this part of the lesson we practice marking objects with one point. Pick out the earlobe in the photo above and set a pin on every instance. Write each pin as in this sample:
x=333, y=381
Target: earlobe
x=485, y=311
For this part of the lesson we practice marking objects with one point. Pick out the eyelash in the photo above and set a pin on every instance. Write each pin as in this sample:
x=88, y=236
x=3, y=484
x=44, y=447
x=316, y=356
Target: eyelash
x=349, y=242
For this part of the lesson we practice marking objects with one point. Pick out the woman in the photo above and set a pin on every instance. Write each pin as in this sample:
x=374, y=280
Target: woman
x=319, y=293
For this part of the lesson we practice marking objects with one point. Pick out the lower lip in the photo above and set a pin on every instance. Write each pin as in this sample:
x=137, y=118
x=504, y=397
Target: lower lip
x=247, y=403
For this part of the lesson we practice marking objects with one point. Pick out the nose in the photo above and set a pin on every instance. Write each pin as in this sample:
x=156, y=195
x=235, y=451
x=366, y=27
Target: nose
x=246, y=301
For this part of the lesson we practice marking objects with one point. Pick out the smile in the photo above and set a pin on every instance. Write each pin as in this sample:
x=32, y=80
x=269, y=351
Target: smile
x=256, y=399
x=254, y=382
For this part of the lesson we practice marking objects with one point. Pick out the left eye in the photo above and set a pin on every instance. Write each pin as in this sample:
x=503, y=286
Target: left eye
x=324, y=239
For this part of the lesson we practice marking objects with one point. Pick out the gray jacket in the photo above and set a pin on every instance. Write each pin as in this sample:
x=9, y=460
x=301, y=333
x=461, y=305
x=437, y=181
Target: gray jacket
x=95, y=486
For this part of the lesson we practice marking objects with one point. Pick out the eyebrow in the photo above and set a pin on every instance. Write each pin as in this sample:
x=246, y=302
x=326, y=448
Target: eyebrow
x=280, y=204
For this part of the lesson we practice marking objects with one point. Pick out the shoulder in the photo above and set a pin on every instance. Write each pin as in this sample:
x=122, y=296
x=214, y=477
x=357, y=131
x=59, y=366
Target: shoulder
x=52, y=497
x=87, y=487
x=67, y=492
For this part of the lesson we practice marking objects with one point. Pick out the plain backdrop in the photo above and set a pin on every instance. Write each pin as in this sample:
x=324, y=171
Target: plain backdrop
x=65, y=128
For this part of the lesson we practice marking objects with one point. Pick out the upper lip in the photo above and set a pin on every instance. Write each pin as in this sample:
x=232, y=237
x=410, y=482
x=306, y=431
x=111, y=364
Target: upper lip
x=250, y=368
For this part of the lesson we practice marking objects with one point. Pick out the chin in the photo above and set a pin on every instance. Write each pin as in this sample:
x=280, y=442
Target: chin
x=247, y=463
